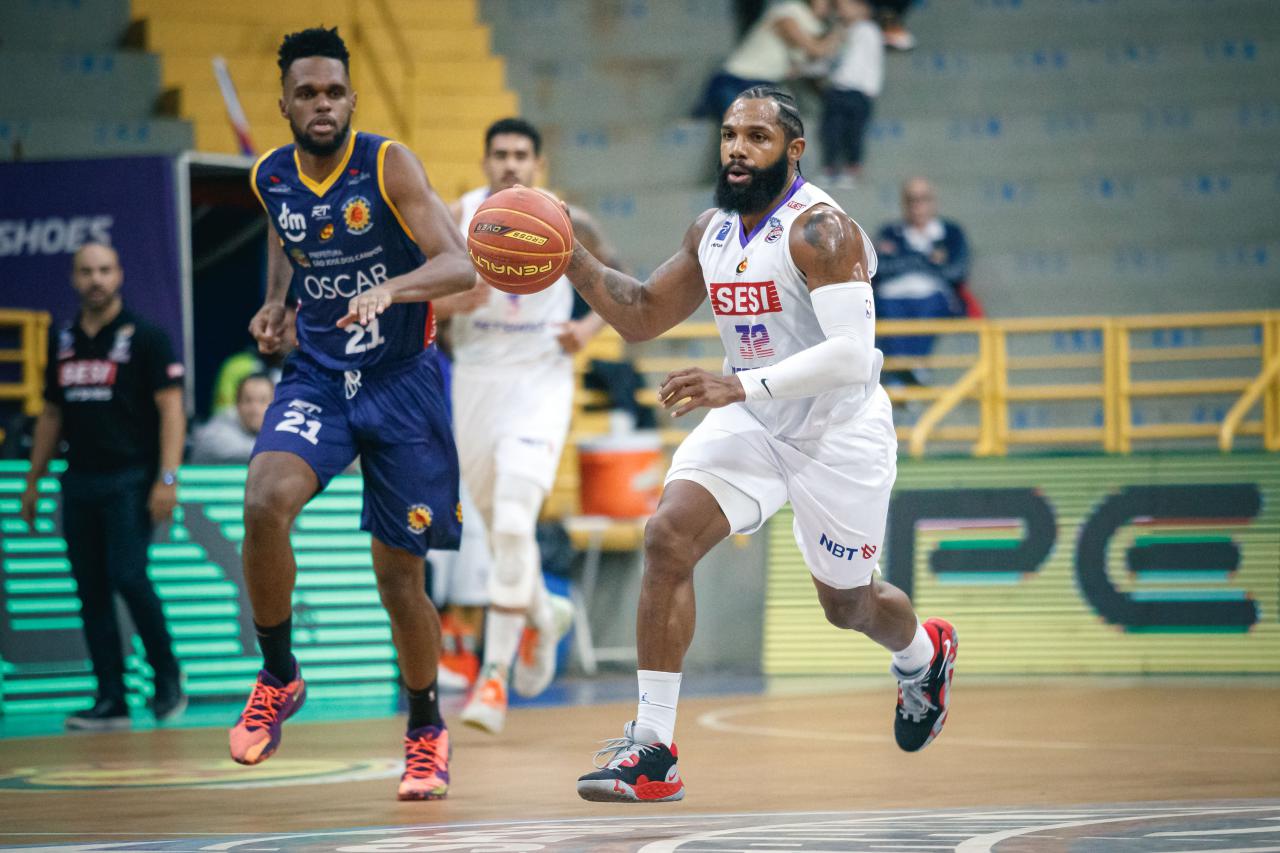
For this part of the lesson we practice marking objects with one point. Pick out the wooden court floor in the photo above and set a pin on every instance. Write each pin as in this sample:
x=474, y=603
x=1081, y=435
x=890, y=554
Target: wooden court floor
x=1007, y=744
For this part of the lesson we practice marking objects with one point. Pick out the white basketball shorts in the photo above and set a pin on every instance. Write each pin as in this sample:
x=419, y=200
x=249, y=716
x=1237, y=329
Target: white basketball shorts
x=838, y=485
x=513, y=421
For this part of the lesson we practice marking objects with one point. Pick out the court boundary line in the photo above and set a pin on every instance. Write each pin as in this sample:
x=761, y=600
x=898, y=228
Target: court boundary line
x=718, y=720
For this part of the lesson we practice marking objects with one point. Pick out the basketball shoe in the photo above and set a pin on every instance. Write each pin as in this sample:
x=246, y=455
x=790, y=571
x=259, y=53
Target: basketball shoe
x=256, y=735
x=487, y=708
x=923, y=697
x=636, y=768
x=459, y=663
x=536, y=662
x=426, y=764
x=107, y=714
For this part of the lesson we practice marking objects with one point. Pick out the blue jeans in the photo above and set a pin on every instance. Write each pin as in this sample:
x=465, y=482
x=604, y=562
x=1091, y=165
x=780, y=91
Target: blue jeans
x=845, y=114
x=722, y=89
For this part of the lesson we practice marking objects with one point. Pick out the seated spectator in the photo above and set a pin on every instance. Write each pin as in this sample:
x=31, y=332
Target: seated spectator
x=229, y=436
x=852, y=87
x=787, y=37
x=249, y=361
x=923, y=268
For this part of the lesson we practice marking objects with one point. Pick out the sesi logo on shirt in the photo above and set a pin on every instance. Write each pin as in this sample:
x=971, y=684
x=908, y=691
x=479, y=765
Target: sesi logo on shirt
x=87, y=372
x=738, y=298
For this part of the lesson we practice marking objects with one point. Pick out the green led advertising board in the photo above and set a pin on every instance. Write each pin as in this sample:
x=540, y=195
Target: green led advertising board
x=341, y=633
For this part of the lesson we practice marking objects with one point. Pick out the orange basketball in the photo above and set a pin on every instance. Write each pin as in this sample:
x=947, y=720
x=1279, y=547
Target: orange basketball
x=520, y=240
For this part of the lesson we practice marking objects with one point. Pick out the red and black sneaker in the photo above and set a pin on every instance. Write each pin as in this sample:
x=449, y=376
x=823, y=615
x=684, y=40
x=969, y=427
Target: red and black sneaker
x=923, y=697
x=637, y=768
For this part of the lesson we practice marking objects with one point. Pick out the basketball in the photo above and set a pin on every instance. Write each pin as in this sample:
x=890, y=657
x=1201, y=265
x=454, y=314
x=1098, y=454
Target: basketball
x=520, y=240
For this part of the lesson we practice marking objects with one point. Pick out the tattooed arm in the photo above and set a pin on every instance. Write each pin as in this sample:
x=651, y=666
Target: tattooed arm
x=641, y=311
x=827, y=247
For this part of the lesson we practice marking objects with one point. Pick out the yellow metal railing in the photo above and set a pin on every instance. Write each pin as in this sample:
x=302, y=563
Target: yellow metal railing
x=401, y=104
x=1232, y=355
x=32, y=328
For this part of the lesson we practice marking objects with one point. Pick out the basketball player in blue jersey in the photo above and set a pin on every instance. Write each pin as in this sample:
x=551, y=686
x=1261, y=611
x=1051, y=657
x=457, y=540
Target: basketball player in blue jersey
x=365, y=244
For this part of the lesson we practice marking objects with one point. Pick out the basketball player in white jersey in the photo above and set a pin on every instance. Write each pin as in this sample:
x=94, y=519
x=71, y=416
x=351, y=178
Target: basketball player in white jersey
x=798, y=415
x=512, y=400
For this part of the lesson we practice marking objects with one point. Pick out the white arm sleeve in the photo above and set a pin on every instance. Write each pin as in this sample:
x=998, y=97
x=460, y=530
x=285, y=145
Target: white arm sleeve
x=848, y=356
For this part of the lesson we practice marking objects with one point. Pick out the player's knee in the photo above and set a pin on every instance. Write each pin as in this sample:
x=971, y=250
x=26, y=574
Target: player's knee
x=669, y=546
x=510, y=555
x=511, y=583
x=400, y=592
x=851, y=609
x=271, y=502
x=515, y=512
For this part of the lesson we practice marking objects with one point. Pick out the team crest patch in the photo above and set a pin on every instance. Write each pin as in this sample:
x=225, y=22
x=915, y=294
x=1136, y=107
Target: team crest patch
x=775, y=230
x=122, y=346
x=326, y=233
x=419, y=517
x=356, y=213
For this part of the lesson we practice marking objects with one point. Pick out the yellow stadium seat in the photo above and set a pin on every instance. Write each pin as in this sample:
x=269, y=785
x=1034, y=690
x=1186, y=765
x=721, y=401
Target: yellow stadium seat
x=431, y=59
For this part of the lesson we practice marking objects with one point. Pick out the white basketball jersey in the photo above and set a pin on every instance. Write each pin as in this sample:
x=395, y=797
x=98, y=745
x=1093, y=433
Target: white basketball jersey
x=509, y=329
x=764, y=314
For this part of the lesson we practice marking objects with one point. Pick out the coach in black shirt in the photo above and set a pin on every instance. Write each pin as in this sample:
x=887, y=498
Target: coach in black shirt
x=113, y=391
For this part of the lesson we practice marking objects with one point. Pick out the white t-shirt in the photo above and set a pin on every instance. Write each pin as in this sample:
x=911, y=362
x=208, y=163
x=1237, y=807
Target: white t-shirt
x=763, y=54
x=510, y=329
x=860, y=63
x=764, y=314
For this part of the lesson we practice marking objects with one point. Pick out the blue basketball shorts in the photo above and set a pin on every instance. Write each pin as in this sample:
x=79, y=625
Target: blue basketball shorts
x=397, y=422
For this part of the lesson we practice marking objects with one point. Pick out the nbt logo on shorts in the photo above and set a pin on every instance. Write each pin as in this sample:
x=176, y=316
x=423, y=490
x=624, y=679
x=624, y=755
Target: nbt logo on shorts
x=846, y=552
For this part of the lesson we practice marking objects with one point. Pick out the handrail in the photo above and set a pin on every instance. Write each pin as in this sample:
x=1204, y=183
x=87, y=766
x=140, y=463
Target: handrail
x=1115, y=352
x=1231, y=423
x=944, y=404
x=402, y=106
x=33, y=331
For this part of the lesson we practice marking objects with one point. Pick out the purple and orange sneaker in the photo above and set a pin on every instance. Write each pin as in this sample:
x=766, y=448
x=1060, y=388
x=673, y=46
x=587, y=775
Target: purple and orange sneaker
x=426, y=764
x=256, y=735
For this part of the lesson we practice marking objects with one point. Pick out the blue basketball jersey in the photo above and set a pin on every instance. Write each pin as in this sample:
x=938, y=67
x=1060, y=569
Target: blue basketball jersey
x=344, y=236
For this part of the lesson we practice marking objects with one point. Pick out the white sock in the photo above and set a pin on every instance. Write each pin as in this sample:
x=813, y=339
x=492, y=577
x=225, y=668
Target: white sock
x=659, y=693
x=918, y=653
x=501, y=639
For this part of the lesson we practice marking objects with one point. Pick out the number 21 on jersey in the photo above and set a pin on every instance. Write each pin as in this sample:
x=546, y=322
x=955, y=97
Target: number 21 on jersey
x=298, y=423
x=364, y=338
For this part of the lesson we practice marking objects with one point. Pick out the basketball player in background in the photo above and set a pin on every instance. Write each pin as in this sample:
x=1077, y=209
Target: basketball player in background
x=512, y=401
x=798, y=416
x=364, y=241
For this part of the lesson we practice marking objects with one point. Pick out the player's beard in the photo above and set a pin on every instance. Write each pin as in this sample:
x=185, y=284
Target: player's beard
x=320, y=149
x=755, y=196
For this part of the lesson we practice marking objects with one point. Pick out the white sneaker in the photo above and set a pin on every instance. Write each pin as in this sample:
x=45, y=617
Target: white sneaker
x=450, y=680
x=487, y=708
x=536, y=662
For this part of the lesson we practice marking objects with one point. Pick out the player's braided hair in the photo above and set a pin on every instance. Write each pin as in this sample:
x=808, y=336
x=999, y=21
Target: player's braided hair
x=788, y=112
x=314, y=41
